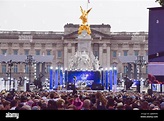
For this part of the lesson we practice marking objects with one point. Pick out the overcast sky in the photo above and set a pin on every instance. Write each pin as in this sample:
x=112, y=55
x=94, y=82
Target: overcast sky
x=52, y=15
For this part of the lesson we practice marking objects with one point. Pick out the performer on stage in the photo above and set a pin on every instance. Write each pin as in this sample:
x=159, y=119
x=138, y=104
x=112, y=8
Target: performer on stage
x=74, y=87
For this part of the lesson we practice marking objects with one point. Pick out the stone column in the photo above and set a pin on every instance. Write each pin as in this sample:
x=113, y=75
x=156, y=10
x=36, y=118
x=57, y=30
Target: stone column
x=65, y=55
x=100, y=54
x=9, y=51
x=108, y=56
x=69, y=55
x=54, y=46
x=73, y=48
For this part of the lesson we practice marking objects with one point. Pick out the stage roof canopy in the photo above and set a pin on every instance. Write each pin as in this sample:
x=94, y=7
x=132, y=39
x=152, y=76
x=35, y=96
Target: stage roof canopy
x=22, y=58
x=130, y=59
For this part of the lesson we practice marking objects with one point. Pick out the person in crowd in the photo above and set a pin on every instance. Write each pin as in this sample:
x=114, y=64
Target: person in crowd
x=162, y=106
x=6, y=105
x=86, y=105
x=35, y=108
x=110, y=105
x=19, y=106
x=120, y=106
x=14, y=104
x=60, y=104
x=77, y=102
x=83, y=100
x=144, y=105
x=52, y=105
x=101, y=101
x=1, y=106
x=25, y=107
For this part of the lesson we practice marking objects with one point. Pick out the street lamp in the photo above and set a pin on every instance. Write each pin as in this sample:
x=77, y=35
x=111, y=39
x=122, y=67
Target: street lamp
x=29, y=61
x=140, y=62
x=10, y=64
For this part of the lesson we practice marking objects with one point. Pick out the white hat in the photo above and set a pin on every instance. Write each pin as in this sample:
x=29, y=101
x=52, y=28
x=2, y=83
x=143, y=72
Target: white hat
x=135, y=109
x=119, y=104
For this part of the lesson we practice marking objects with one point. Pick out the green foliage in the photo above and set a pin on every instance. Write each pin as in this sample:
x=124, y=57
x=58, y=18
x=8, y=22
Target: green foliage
x=161, y=2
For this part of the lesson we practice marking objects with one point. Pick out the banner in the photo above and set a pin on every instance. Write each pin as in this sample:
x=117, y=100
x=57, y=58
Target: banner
x=55, y=82
x=115, y=80
x=51, y=79
x=107, y=79
x=61, y=77
x=111, y=78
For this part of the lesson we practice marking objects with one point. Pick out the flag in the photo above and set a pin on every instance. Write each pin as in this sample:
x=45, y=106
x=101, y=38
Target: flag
x=88, y=1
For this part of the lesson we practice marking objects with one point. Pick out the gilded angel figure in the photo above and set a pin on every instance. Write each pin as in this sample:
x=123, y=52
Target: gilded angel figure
x=84, y=15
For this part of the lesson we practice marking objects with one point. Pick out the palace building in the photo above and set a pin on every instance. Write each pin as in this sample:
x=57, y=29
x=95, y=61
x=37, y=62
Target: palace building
x=54, y=49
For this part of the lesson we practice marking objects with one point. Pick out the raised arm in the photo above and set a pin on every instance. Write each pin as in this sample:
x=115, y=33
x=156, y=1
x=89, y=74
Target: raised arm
x=89, y=10
x=81, y=10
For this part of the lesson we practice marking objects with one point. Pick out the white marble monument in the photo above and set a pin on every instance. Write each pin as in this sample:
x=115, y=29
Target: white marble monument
x=84, y=58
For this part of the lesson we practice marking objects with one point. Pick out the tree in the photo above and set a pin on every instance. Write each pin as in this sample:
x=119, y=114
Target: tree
x=161, y=2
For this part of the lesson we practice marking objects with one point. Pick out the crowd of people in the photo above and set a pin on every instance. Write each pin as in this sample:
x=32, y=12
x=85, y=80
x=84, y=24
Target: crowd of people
x=81, y=100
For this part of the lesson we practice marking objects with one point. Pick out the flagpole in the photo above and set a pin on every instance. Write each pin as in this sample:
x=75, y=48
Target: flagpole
x=87, y=4
x=87, y=9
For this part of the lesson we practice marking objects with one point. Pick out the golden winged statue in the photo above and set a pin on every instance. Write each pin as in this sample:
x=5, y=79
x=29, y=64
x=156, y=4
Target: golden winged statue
x=84, y=15
x=84, y=18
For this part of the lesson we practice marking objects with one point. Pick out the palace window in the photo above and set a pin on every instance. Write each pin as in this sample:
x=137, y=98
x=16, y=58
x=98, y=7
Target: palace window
x=146, y=69
x=26, y=69
x=114, y=53
x=4, y=51
x=125, y=52
x=96, y=53
x=125, y=69
x=15, y=52
x=59, y=53
x=136, y=52
x=48, y=52
x=15, y=68
x=26, y=52
x=3, y=69
x=48, y=68
x=146, y=53
x=37, y=52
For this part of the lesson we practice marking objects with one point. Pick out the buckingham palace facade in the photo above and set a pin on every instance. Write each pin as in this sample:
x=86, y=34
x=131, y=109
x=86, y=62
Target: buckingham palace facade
x=111, y=48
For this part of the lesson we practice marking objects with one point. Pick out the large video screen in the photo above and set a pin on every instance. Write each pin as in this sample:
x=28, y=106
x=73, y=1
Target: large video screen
x=156, y=35
x=86, y=77
x=155, y=44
